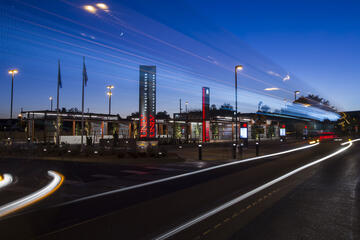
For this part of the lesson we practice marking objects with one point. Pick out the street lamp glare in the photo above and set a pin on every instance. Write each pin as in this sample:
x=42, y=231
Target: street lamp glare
x=109, y=93
x=110, y=87
x=13, y=71
x=297, y=92
x=90, y=8
x=239, y=67
x=102, y=6
x=50, y=98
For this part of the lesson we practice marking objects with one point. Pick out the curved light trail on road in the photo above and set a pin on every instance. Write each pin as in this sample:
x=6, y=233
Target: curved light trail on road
x=5, y=180
x=57, y=180
x=193, y=173
x=240, y=198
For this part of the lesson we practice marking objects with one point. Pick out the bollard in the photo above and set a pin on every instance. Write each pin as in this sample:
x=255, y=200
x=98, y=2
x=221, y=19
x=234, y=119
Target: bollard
x=257, y=148
x=234, y=151
x=200, y=151
x=241, y=150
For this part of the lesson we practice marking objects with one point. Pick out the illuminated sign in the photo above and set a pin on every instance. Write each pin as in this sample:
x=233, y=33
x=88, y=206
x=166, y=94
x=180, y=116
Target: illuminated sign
x=243, y=130
x=205, y=113
x=147, y=101
x=282, y=131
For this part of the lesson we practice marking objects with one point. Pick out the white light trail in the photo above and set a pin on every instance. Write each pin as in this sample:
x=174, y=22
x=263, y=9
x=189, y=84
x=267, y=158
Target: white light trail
x=57, y=180
x=192, y=173
x=5, y=180
x=244, y=196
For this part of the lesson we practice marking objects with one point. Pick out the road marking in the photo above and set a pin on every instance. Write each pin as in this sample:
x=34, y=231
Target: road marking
x=57, y=180
x=244, y=196
x=189, y=174
x=5, y=180
x=206, y=232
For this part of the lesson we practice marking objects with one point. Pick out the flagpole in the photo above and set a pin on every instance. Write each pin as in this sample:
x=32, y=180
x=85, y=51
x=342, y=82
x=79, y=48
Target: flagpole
x=57, y=107
x=82, y=107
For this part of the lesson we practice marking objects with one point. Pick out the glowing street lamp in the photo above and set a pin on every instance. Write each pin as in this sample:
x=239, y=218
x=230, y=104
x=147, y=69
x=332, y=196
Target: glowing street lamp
x=12, y=72
x=102, y=6
x=237, y=68
x=51, y=103
x=296, y=93
x=109, y=93
x=90, y=8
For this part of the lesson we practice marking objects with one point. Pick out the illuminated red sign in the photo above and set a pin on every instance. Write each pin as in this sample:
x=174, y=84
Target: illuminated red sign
x=143, y=126
x=152, y=126
x=205, y=114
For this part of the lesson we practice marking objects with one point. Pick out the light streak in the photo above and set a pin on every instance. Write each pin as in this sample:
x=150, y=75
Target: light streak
x=192, y=173
x=244, y=196
x=5, y=180
x=57, y=180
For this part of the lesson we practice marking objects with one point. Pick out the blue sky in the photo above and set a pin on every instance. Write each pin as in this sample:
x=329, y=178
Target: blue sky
x=192, y=43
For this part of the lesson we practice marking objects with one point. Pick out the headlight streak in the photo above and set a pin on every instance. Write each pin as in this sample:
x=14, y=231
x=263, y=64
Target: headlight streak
x=350, y=141
x=5, y=180
x=57, y=180
x=190, y=173
x=240, y=198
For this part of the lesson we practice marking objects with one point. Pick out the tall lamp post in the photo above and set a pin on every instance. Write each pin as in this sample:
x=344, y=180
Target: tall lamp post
x=237, y=68
x=296, y=93
x=109, y=93
x=51, y=103
x=12, y=72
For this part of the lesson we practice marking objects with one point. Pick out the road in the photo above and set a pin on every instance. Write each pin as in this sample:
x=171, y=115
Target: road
x=150, y=211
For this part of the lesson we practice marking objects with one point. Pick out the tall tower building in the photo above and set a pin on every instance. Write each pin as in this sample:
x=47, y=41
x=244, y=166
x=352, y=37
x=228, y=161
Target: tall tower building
x=147, y=101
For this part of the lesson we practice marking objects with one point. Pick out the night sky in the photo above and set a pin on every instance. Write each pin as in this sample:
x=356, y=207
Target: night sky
x=192, y=43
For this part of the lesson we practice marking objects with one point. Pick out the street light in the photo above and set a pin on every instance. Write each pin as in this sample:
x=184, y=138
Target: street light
x=186, y=104
x=237, y=67
x=102, y=6
x=12, y=72
x=90, y=8
x=296, y=93
x=51, y=103
x=109, y=93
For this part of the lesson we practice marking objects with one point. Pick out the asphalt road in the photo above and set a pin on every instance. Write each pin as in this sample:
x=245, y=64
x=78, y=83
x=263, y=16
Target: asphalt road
x=325, y=206
x=149, y=211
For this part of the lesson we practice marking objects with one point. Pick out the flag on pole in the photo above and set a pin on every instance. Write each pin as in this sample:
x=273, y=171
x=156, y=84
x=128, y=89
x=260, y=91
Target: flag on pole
x=85, y=77
x=59, y=75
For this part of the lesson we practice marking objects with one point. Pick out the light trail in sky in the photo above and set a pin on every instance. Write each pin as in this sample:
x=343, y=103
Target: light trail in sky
x=175, y=59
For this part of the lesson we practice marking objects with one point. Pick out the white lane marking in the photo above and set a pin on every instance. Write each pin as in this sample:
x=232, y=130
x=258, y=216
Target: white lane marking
x=243, y=196
x=190, y=173
x=34, y=197
x=7, y=179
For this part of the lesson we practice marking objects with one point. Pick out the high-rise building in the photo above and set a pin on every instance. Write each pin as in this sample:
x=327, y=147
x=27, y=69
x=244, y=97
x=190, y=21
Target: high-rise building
x=147, y=101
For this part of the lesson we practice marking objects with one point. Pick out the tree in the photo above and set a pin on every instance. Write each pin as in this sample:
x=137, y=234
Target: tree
x=265, y=108
x=213, y=107
x=162, y=115
x=74, y=110
x=133, y=115
x=316, y=101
